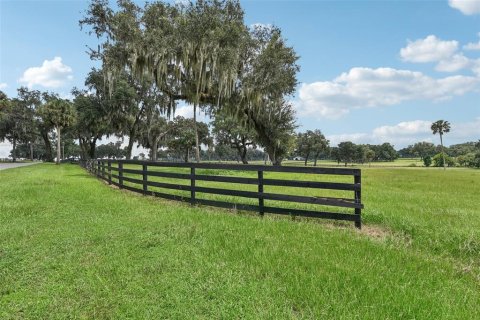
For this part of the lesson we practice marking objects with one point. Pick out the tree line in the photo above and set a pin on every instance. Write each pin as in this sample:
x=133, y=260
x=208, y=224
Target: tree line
x=153, y=58
x=464, y=154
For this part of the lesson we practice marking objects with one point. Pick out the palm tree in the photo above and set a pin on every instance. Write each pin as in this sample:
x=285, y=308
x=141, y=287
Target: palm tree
x=441, y=127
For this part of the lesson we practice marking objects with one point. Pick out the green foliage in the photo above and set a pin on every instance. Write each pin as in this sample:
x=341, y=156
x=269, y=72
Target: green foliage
x=476, y=160
x=275, y=127
x=17, y=122
x=182, y=140
x=200, y=52
x=462, y=149
x=153, y=130
x=439, y=158
x=384, y=152
x=441, y=127
x=346, y=152
x=424, y=149
x=311, y=143
x=111, y=150
x=427, y=161
x=229, y=131
x=58, y=113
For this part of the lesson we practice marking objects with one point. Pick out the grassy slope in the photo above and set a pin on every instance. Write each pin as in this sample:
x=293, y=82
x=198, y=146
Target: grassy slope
x=72, y=247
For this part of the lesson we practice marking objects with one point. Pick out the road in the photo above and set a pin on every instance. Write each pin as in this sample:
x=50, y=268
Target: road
x=9, y=165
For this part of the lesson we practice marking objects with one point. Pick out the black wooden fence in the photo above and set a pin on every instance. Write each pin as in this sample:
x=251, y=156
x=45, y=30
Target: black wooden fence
x=115, y=175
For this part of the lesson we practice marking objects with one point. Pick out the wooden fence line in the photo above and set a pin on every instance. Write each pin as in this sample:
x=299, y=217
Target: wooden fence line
x=103, y=169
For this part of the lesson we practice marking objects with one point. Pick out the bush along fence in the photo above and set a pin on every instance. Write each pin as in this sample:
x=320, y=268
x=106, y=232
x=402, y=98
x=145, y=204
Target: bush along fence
x=138, y=176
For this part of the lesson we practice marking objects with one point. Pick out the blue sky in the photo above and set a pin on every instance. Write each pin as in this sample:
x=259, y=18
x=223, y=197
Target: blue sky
x=371, y=71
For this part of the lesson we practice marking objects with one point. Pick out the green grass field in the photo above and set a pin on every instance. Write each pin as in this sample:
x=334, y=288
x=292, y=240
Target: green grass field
x=73, y=247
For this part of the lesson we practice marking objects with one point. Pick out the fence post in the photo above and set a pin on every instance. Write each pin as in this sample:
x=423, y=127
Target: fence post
x=144, y=172
x=103, y=169
x=109, y=171
x=260, y=191
x=192, y=185
x=98, y=168
x=358, y=199
x=120, y=175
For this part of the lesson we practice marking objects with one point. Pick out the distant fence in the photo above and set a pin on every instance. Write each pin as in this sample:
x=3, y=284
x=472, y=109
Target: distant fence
x=113, y=172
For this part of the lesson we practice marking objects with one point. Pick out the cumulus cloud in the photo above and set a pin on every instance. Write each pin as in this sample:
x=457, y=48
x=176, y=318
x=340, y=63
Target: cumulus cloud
x=473, y=45
x=468, y=7
x=454, y=63
x=445, y=53
x=362, y=138
x=476, y=67
x=367, y=88
x=407, y=128
x=430, y=49
x=51, y=74
x=400, y=134
x=3, y=85
x=410, y=132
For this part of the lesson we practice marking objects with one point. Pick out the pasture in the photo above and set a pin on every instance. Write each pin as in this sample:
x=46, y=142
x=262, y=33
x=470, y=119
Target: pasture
x=73, y=247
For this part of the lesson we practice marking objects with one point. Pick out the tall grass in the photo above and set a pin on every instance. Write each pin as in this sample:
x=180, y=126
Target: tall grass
x=72, y=247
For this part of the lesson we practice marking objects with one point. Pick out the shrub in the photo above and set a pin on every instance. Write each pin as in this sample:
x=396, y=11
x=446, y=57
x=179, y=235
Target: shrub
x=438, y=160
x=427, y=161
x=476, y=160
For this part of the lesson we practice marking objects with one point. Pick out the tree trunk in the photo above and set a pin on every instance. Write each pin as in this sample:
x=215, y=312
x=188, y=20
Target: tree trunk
x=14, y=151
x=31, y=151
x=92, y=148
x=59, y=151
x=83, y=154
x=315, y=161
x=130, y=145
x=154, y=150
x=48, y=147
x=274, y=159
x=197, y=147
x=306, y=158
x=243, y=155
x=443, y=152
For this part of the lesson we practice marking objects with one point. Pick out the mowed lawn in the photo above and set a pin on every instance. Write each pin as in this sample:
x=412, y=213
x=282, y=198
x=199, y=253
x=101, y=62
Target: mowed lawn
x=73, y=247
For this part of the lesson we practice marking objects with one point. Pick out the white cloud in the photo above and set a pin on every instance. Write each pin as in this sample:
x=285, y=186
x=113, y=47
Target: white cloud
x=335, y=139
x=476, y=67
x=468, y=7
x=473, y=45
x=3, y=85
x=410, y=132
x=367, y=88
x=407, y=128
x=466, y=131
x=454, y=63
x=444, y=53
x=401, y=134
x=52, y=74
x=430, y=49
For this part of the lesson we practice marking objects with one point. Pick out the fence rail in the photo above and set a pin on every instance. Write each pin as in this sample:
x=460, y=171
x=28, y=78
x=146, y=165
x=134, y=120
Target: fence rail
x=115, y=175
